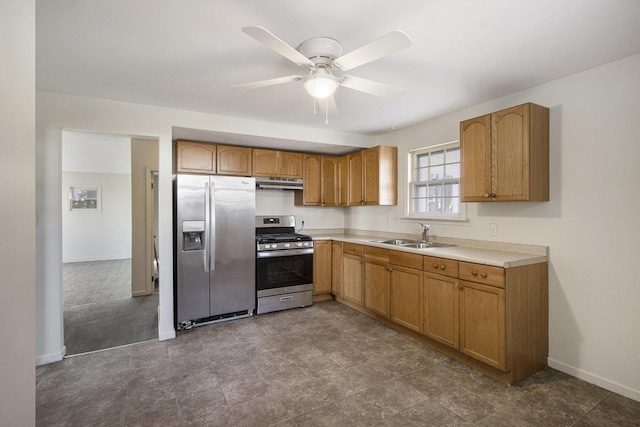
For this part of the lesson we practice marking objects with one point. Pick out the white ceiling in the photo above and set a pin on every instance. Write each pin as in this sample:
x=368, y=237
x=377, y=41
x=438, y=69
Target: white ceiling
x=185, y=54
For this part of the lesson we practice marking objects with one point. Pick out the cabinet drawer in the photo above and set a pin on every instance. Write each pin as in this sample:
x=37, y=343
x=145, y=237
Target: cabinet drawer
x=379, y=254
x=406, y=259
x=351, y=248
x=446, y=267
x=479, y=273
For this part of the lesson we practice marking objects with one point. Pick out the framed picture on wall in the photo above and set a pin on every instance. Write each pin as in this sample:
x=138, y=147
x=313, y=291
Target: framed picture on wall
x=84, y=198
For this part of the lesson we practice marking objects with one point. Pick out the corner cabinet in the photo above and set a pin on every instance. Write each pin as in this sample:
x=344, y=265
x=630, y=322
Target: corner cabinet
x=373, y=176
x=505, y=155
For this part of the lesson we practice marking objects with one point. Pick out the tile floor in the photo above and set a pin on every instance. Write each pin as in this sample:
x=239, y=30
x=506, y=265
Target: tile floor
x=324, y=365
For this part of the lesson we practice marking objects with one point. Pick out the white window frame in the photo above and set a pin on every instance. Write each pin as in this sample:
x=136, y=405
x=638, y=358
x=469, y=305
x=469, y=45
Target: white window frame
x=411, y=157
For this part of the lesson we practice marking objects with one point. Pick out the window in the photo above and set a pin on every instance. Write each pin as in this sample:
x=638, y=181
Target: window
x=434, y=182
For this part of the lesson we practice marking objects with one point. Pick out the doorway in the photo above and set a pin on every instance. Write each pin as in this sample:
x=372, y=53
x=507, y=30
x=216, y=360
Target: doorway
x=107, y=301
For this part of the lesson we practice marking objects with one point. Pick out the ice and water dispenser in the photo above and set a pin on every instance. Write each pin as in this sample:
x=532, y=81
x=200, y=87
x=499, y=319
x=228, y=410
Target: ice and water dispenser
x=193, y=235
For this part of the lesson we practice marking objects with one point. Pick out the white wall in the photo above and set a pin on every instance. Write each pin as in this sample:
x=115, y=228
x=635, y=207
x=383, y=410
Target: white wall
x=590, y=224
x=57, y=112
x=17, y=214
x=101, y=234
x=278, y=202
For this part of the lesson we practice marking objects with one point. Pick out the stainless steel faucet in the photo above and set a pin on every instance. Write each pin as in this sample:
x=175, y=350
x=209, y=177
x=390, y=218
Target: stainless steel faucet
x=425, y=232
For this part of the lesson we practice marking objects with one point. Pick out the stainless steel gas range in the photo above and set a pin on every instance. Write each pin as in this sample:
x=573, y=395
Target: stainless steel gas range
x=284, y=265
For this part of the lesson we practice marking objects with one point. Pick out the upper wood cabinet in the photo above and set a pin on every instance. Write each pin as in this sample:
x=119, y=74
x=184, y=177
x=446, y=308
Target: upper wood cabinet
x=329, y=177
x=195, y=157
x=505, y=155
x=343, y=181
x=234, y=160
x=373, y=176
x=277, y=164
x=311, y=194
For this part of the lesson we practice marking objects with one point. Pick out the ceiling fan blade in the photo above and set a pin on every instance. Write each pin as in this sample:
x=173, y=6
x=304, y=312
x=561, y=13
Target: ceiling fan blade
x=328, y=105
x=372, y=87
x=273, y=42
x=389, y=43
x=265, y=83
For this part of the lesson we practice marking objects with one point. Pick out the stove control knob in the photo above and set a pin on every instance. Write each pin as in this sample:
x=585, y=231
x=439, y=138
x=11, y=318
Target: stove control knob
x=300, y=244
x=287, y=245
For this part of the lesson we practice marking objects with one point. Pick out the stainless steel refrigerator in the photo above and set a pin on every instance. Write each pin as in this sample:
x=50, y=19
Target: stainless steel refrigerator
x=215, y=248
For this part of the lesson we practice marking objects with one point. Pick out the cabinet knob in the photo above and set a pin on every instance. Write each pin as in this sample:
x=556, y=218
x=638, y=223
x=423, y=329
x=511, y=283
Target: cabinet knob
x=487, y=195
x=493, y=195
x=435, y=265
x=442, y=267
x=474, y=273
x=483, y=275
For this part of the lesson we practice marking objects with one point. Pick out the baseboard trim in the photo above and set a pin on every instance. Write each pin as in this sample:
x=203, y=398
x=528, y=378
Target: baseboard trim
x=44, y=359
x=595, y=379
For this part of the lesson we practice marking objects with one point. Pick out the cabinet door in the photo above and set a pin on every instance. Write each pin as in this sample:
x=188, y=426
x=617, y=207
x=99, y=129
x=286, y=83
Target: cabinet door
x=510, y=153
x=343, y=181
x=406, y=297
x=371, y=175
x=336, y=268
x=442, y=309
x=322, y=267
x=355, y=179
x=329, y=180
x=311, y=193
x=265, y=162
x=290, y=165
x=234, y=160
x=482, y=323
x=352, y=278
x=376, y=286
x=196, y=157
x=475, y=159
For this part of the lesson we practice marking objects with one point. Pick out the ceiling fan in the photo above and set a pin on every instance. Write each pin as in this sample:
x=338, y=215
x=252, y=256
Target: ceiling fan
x=322, y=56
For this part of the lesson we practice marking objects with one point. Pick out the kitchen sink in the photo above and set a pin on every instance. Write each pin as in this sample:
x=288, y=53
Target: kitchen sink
x=407, y=243
x=425, y=245
x=396, y=242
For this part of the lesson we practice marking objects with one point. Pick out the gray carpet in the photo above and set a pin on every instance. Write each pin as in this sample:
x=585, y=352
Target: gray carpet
x=96, y=281
x=99, y=311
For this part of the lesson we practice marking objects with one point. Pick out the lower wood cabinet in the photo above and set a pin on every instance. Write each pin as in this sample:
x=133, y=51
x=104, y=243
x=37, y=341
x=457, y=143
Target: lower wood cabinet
x=353, y=274
x=494, y=319
x=376, y=290
x=322, y=267
x=336, y=268
x=482, y=323
x=442, y=309
x=406, y=299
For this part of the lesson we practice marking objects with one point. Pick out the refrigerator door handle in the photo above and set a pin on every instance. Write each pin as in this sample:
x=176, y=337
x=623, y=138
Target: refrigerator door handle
x=207, y=217
x=212, y=226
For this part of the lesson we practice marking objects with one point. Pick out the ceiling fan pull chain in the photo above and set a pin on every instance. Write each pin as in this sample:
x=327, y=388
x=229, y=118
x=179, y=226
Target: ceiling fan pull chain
x=326, y=111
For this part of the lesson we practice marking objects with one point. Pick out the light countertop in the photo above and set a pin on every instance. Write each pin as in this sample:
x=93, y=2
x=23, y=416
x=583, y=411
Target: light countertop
x=496, y=254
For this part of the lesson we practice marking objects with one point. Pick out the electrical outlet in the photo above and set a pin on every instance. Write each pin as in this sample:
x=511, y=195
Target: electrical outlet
x=493, y=229
x=388, y=222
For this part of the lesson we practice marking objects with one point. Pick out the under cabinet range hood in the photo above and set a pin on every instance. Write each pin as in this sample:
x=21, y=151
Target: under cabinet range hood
x=267, y=183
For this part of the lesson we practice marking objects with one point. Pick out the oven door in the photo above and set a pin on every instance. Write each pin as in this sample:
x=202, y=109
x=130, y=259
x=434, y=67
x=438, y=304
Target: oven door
x=284, y=271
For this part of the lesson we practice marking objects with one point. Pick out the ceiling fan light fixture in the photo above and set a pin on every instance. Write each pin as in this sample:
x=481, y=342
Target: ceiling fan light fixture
x=321, y=85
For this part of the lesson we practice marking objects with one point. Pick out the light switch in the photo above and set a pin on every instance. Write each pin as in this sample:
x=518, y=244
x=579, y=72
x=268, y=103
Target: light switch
x=493, y=229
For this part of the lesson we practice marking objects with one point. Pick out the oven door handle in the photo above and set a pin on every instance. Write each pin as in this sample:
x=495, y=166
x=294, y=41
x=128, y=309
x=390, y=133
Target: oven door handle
x=285, y=252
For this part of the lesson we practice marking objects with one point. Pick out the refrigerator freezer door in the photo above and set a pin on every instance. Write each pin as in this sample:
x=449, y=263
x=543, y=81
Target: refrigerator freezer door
x=232, y=241
x=192, y=287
